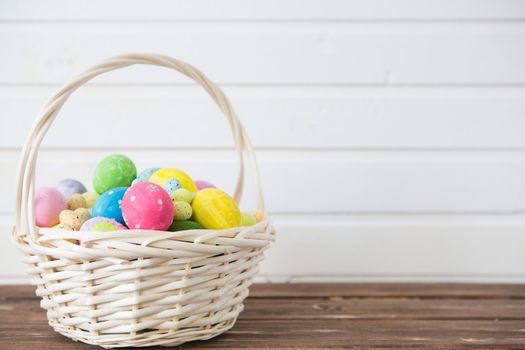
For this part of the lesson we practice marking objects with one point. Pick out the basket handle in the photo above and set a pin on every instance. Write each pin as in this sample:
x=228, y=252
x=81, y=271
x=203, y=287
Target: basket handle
x=25, y=222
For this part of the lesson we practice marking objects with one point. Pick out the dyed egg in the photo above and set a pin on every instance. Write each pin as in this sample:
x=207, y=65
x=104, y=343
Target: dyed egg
x=172, y=185
x=76, y=201
x=49, y=202
x=182, y=195
x=147, y=206
x=73, y=220
x=91, y=198
x=69, y=187
x=258, y=216
x=145, y=174
x=114, y=171
x=215, y=209
x=100, y=224
x=183, y=211
x=109, y=204
x=201, y=184
x=162, y=175
x=185, y=225
x=247, y=219
x=63, y=227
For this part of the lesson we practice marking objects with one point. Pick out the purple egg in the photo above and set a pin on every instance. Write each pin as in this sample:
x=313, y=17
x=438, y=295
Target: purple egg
x=201, y=184
x=69, y=187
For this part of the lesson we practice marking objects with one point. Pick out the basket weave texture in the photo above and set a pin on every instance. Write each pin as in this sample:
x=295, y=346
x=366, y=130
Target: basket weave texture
x=139, y=287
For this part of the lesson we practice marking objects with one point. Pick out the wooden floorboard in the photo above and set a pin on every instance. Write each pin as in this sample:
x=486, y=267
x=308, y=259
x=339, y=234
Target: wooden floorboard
x=320, y=316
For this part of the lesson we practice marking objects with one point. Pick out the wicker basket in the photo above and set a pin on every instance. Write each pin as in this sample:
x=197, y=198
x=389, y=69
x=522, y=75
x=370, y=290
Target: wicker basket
x=139, y=287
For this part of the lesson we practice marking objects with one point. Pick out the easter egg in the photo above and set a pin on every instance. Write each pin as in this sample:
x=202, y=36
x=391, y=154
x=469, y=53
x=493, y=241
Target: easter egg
x=114, y=171
x=101, y=224
x=49, y=202
x=69, y=187
x=147, y=206
x=182, y=195
x=162, y=175
x=172, y=185
x=185, y=225
x=183, y=211
x=258, y=216
x=145, y=174
x=63, y=227
x=247, y=219
x=91, y=198
x=201, y=184
x=108, y=204
x=76, y=201
x=215, y=209
x=74, y=219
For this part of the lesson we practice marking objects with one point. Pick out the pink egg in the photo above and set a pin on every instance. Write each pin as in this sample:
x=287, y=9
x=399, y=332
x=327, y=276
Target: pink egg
x=201, y=184
x=49, y=202
x=147, y=206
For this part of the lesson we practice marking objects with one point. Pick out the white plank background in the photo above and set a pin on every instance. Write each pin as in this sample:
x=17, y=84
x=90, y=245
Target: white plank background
x=390, y=133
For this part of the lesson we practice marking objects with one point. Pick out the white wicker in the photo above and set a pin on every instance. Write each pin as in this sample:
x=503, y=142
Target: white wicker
x=139, y=287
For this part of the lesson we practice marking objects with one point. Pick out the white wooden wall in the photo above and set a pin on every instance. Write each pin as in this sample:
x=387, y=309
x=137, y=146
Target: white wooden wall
x=390, y=133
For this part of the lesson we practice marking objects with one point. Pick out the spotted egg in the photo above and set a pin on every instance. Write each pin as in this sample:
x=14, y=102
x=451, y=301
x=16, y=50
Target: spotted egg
x=183, y=211
x=145, y=174
x=172, y=185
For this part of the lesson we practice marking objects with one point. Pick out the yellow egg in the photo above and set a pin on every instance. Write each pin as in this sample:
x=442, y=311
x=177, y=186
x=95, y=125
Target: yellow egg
x=214, y=209
x=91, y=198
x=162, y=175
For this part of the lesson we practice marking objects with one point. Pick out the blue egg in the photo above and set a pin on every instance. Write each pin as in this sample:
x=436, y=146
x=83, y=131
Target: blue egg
x=172, y=185
x=145, y=174
x=108, y=204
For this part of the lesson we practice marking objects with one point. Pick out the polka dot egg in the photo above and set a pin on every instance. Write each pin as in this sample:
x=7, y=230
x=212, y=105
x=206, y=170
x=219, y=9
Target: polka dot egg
x=109, y=204
x=147, y=206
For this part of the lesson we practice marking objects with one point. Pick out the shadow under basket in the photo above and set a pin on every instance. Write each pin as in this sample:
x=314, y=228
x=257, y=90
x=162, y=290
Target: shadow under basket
x=134, y=288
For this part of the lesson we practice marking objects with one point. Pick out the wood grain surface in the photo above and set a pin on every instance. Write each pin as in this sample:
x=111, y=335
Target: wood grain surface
x=279, y=316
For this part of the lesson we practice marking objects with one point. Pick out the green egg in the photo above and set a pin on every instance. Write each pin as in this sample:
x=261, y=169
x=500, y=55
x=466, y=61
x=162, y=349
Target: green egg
x=114, y=171
x=185, y=225
x=183, y=211
x=247, y=219
x=182, y=195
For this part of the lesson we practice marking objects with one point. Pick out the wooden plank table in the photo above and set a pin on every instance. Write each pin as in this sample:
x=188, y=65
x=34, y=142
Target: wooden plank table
x=279, y=316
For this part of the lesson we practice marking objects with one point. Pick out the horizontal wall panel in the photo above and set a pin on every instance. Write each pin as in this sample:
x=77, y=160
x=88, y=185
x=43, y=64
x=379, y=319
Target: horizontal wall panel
x=368, y=248
x=275, y=117
x=325, y=182
x=283, y=53
x=396, y=247
x=261, y=10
